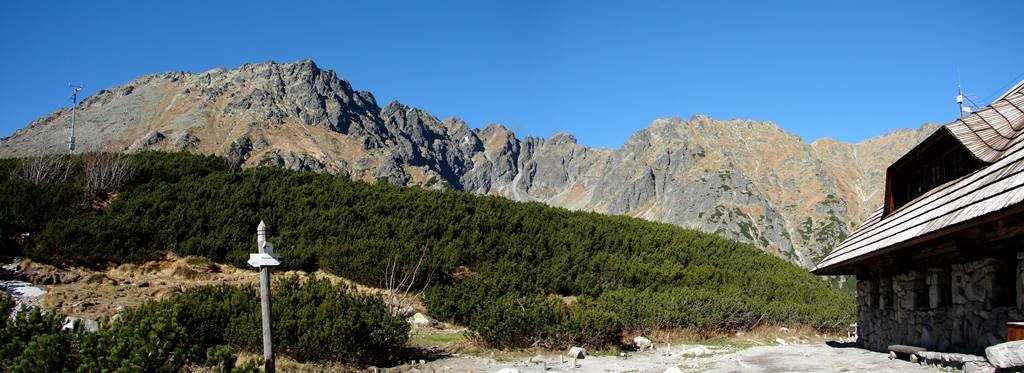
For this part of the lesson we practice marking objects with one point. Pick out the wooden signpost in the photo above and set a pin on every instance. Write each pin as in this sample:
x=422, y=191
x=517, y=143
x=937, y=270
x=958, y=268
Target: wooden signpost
x=264, y=259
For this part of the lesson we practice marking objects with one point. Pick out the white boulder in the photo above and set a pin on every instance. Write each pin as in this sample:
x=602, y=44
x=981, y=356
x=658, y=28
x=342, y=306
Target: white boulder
x=577, y=352
x=419, y=319
x=88, y=325
x=1006, y=355
x=642, y=343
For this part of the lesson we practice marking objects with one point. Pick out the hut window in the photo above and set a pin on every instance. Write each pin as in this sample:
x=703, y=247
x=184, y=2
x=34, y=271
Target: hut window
x=886, y=295
x=920, y=288
x=1005, y=285
x=935, y=162
x=947, y=287
x=873, y=295
x=939, y=292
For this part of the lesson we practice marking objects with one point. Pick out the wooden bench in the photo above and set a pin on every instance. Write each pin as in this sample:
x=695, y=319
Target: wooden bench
x=899, y=351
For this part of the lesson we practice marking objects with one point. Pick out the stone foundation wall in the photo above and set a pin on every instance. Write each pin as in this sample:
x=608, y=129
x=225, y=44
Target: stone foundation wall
x=962, y=308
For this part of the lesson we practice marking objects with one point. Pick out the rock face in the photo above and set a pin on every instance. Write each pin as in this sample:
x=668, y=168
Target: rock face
x=745, y=180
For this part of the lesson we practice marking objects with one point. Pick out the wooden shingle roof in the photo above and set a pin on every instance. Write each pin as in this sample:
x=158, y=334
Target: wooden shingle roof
x=990, y=132
x=993, y=135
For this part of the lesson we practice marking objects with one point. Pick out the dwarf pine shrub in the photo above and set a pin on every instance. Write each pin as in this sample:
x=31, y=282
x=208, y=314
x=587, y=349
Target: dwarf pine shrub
x=485, y=258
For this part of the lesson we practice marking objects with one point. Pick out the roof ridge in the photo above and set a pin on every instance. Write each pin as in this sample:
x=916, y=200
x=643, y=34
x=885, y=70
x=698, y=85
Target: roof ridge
x=1004, y=117
x=994, y=135
x=1018, y=88
x=858, y=239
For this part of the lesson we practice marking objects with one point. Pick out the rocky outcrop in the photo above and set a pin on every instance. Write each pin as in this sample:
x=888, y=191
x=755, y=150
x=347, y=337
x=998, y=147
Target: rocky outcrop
x=746, y=180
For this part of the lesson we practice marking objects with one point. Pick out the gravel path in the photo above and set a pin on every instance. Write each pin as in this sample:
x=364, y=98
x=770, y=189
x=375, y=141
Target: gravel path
x=777, y=358
x=808, y=358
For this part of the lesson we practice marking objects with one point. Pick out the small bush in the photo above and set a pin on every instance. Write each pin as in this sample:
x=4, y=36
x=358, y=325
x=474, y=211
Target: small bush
x=587, y=325
x=517, y=321
x=320, y=321
x=222, y=358
x=45, y=353
x=537, y=320
x=32, y=341
x=314, y=320
x=148, y=339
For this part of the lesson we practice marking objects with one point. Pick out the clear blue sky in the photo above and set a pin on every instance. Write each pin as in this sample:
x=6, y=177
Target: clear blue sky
x=600, y=70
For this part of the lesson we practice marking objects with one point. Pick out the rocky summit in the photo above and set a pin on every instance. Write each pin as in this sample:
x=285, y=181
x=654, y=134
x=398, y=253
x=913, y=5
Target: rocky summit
x=745, y=180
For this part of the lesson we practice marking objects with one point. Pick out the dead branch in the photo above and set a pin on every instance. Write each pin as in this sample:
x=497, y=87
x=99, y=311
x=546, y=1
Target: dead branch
x=399, y=286
x=49, y=169
x=105, y=172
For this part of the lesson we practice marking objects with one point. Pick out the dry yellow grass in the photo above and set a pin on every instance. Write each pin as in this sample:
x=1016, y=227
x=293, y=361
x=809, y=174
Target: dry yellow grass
x=96, y=294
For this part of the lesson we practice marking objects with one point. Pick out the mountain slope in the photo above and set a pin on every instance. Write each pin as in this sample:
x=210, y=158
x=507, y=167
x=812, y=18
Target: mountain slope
x=745, y=180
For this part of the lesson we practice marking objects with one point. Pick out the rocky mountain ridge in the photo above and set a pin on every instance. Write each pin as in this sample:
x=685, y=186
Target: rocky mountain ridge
x=746, y=180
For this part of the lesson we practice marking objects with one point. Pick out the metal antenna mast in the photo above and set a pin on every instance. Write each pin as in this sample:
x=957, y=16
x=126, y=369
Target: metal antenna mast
x=959, y=94
x=960, y=98
x=74, y=107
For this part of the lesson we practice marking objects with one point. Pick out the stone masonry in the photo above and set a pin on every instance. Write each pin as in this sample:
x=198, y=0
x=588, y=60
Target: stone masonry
x=960, y=308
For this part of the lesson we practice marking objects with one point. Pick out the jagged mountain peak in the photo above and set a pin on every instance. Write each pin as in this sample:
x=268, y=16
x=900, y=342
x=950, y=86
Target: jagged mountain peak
x=560, y=137
x=706, y=124
x=397, y=106
x=743, y=179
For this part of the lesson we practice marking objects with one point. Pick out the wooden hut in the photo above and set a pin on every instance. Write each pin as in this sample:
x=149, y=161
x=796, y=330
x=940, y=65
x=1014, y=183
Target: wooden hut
x=940, y=264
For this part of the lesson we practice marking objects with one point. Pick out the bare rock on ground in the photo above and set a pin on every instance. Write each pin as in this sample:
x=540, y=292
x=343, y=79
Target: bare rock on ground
x=577, y=352
x=1006, y=355
x=642, y=343
x=419, y=319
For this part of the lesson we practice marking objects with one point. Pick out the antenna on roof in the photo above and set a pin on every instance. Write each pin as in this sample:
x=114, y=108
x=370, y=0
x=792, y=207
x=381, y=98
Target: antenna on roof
x=960, y=97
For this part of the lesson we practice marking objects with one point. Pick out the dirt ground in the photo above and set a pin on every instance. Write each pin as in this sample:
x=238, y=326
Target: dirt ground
x=816, y=357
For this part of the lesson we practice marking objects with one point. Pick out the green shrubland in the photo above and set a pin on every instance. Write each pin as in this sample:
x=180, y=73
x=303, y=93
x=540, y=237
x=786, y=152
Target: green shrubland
x=517, y=274
x=315, y=321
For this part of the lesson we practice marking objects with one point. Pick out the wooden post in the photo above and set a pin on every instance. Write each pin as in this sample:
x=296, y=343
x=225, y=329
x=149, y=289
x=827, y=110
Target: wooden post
x=264, y=259
x=268, y=341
